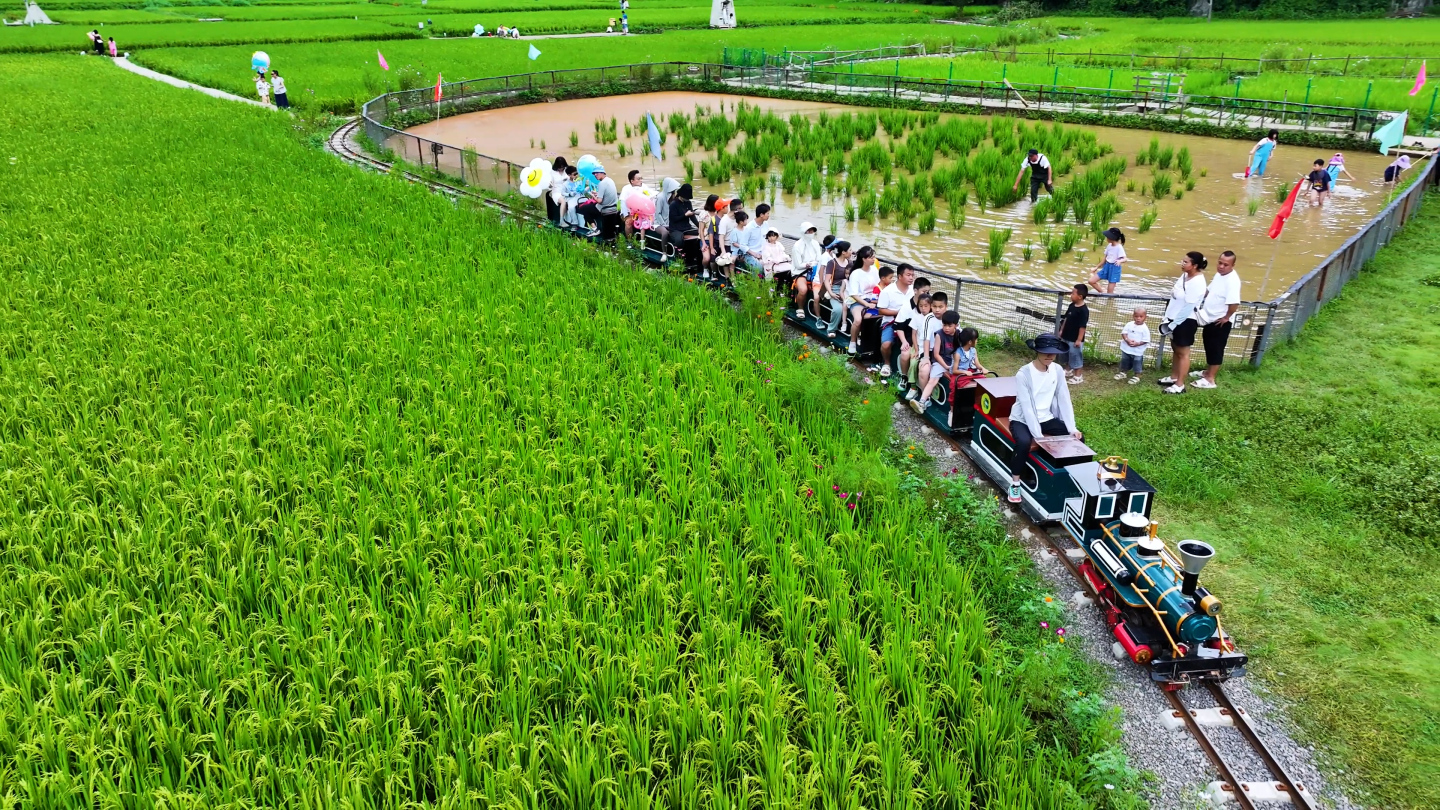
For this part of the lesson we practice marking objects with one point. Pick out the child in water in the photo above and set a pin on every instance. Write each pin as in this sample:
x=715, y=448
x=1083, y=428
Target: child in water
x=1319, y=180
x=1108, y=270
x=1336, y=168
x=1260, y=153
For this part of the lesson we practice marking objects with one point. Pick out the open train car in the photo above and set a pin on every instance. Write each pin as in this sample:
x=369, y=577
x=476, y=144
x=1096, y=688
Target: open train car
x=1154, y=606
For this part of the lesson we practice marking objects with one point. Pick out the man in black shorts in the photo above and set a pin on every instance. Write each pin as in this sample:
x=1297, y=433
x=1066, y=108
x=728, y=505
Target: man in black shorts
x=1040, y=174
x=1222, y=298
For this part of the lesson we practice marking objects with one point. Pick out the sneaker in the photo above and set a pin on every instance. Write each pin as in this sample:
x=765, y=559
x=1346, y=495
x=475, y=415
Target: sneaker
x=1175, y=389
x=917, y=407
x=1204, y=383
x=1076, y=380
x=1122, y=375
x=1014, y=494
x=1166, y=381
x=884, y=371
x=1195, y=374
x=853, y=348
x=1134, y=380
x=705, y=275
x=799, y=314
x=913, y=394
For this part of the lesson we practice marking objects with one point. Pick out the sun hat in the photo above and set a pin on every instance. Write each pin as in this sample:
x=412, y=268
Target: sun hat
x=1048, y=344
x=806, y=227
x=769, y=232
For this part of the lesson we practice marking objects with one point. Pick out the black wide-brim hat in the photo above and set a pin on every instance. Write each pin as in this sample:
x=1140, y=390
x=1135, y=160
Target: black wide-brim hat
x=1048, y=344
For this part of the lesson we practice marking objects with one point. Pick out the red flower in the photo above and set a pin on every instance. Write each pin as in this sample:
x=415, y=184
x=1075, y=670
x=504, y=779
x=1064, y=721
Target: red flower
x=851, y=505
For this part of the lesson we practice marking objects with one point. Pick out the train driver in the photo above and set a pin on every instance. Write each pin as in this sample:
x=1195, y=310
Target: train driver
x=1042, y=404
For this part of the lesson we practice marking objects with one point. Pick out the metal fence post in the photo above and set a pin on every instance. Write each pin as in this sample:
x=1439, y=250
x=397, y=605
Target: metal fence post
x=1263, y=342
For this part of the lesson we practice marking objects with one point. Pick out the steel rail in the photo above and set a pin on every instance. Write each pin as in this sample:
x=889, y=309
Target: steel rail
x=1299, y=796
x=1236, y=786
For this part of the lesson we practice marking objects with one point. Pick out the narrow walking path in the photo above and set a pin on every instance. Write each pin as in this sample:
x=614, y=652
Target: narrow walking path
x=171, y=80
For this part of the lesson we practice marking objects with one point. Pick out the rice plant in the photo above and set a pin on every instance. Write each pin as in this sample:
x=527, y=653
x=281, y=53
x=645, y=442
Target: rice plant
x=1190, y=184
x=1164, y=158
x=850, y=212
x=1153, y=153
x=1130, y=185
x=998, y=238
x=1183, y=162
x=1147, y=218
x=1204, y=172
x=1160, y=186
x=1252, y=206
x=1070, y=237
x=1027, y=251
x=1054, y=246
x=689, y=167
x=1179, y=193
x=1041, y=210
x=865, y=207
x=574, y=139
x=1282, y=191
x=926, y=222
x=957, y=216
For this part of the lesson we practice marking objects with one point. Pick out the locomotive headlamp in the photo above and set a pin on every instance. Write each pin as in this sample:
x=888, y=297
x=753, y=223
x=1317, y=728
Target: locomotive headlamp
x=1194, y=555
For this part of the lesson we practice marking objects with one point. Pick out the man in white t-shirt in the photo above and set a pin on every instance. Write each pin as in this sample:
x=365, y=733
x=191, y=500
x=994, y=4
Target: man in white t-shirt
x=1222, y=298
x=1042, y=405
x=1040, y=174
x=894, y=300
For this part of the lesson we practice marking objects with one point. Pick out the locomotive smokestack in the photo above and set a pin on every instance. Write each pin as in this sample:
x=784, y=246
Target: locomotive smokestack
x=1193, y=557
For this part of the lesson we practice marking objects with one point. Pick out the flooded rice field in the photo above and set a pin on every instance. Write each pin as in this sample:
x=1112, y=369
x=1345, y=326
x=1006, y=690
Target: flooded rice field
x=1222, y=211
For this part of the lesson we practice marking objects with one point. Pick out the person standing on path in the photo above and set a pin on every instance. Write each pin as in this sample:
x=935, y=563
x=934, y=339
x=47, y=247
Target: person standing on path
x=1040, y=174
x=114, y=52
x=281, y=100
x=1222, y=298
x=1260, y=153
x=1071, y=329
x=97, y=42
x=1180, y=323
x=262, y=88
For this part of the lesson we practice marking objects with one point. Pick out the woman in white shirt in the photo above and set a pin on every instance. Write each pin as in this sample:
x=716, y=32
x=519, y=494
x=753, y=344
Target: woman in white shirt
x=1042, y=404
x=859, y=294
x=1180, y=323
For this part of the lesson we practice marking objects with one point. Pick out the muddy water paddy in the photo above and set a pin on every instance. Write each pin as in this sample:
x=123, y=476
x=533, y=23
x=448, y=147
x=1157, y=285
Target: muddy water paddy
x=1214, y=216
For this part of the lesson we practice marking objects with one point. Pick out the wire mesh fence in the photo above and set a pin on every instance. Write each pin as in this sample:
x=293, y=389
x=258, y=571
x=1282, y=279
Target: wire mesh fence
x=992, y=307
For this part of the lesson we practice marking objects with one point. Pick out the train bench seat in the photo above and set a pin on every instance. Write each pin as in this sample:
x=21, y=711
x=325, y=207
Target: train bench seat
x=995, y=399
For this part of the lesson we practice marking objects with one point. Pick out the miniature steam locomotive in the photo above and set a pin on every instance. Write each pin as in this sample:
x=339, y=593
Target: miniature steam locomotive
x=1159, y=614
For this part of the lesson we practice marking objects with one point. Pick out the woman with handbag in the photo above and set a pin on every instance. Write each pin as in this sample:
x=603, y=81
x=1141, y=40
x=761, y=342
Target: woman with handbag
x=1180, y=323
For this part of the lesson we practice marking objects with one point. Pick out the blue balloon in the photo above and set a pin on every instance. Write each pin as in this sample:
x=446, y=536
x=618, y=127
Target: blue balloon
x=587, y=166
x=260, y=61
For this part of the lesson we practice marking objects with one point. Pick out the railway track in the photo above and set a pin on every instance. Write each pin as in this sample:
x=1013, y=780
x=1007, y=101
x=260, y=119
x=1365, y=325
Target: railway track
x=1284, y=788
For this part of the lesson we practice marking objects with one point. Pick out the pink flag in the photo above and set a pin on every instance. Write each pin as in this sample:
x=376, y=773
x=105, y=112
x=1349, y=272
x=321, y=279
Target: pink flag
x=1419, y=79
x=383, y=63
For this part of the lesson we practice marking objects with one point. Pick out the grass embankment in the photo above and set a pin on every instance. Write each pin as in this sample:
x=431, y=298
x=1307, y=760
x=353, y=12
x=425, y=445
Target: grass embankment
x=317, y=504
x=343, y=74
x=1318, y=478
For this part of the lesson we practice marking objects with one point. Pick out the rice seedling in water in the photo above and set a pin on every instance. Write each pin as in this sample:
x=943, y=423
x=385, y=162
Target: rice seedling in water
x=1281, y=192
x=1252, y=206
x=1071, y=236
x=1130, y=185
x=1041, y=210
x=542, y=144
x=1028, y=250
x=850, y=213
x=926, y=223
x=1179, y=193
x=1147, y=219
x=1160, y=186
x=957, y=217
x=1054, y=247
x=1183, y=162
x=998, y=238
x=1190, y=184
x=574, y=139
x=1204, y=172
x=1153, y=153
x=689, y=167
x=1142, y=158
x=1165, y=157
x=865, y=207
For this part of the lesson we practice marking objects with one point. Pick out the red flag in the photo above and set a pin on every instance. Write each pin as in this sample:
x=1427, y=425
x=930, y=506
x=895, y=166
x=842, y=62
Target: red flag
x=1285, y=210
x=438, y=79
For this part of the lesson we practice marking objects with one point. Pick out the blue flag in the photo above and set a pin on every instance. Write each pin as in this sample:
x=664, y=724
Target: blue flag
x=654, y=137
x=534, y=53
x=1392, y=133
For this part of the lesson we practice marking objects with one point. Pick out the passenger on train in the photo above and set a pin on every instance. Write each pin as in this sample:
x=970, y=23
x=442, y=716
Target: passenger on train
x=910, y=357
x=806, y=256
x=1042, y=404
x=862, y=293
x=894, y=302
x=832, y=280
x=728, y=226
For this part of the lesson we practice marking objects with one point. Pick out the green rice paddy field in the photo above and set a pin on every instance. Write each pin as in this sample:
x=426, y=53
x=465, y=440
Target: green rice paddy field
x=315, y=505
